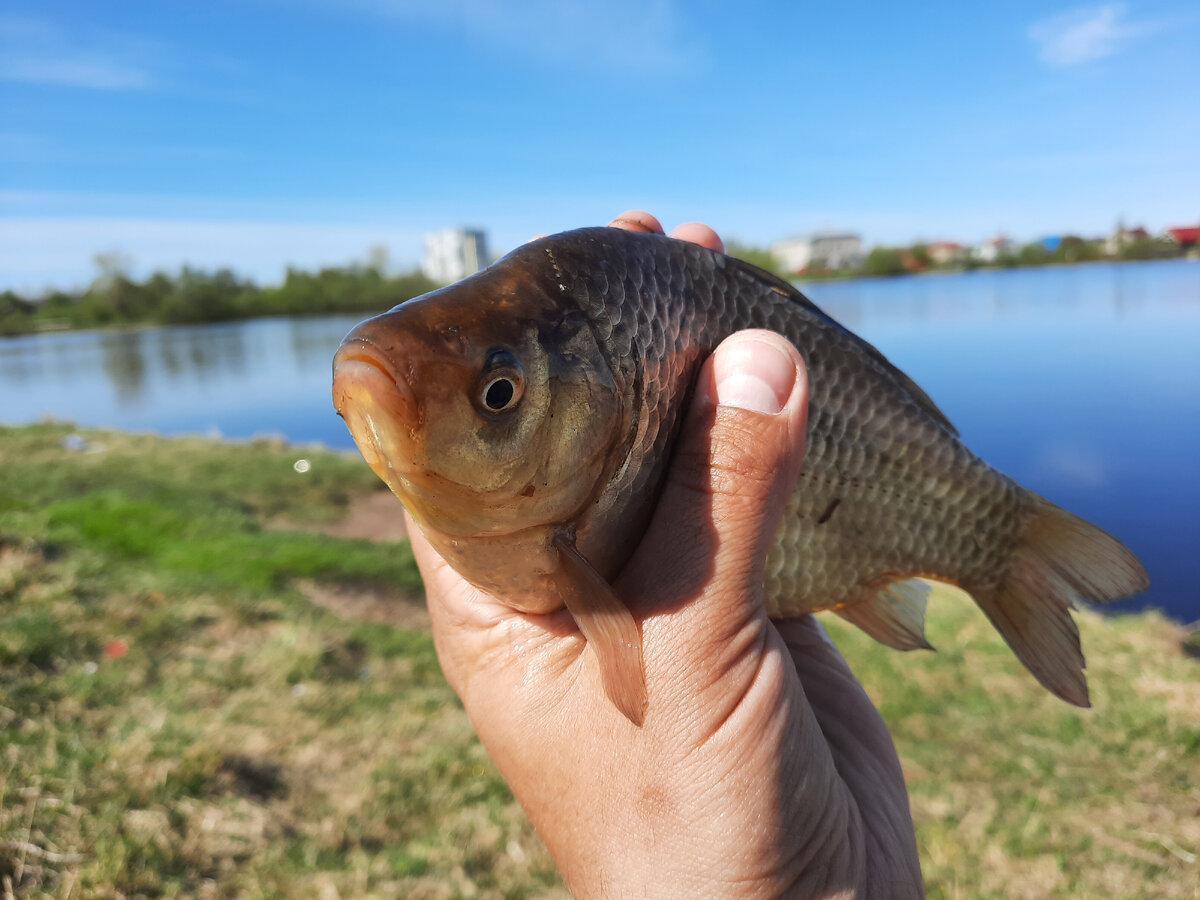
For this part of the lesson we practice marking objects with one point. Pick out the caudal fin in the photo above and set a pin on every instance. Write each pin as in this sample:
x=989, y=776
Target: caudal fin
x=1060, y=559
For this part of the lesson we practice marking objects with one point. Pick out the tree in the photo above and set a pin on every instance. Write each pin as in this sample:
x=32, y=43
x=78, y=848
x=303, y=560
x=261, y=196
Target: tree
x=1034, y=254
x=110, y=266
x=884, y=261
x=756, y=256
x=377, y=258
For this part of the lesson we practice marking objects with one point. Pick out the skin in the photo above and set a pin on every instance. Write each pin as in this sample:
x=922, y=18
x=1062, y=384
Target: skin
x=762, y=768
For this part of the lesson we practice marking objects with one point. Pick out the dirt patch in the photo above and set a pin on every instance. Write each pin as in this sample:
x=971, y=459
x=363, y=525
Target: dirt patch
x=377, y=516
x=391, y=607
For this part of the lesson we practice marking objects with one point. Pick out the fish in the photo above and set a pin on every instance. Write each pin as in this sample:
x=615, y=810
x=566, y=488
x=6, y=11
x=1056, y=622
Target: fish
x=526, y=416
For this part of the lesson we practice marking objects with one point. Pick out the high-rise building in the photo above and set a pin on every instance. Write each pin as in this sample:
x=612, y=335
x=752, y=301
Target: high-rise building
x=821, y=249
x=454, y=253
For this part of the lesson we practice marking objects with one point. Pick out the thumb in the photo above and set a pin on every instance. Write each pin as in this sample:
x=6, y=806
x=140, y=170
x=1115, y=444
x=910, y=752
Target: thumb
x=733, y=470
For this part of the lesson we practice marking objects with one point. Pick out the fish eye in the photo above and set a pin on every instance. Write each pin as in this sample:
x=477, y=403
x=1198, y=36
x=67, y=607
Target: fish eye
x=501, y=383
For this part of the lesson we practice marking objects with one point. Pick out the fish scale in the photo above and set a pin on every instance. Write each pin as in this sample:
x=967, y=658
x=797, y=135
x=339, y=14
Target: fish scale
x=854, y=405
x=889, y=502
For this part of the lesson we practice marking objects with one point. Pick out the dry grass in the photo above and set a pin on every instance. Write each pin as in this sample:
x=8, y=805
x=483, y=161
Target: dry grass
x=1015, y=794
x=179, y=723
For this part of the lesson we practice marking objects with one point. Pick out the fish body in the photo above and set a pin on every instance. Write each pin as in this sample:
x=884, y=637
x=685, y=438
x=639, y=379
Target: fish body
x=526, y=417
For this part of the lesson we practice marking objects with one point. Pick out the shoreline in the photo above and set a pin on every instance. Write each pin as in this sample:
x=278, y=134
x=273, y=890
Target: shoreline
x=280, y=443
x=60, y=326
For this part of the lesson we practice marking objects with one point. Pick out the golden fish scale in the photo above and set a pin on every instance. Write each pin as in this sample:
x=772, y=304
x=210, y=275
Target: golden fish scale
x=887, y=490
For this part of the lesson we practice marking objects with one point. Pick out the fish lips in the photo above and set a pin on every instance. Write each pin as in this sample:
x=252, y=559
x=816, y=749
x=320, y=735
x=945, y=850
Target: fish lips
x=379, y=407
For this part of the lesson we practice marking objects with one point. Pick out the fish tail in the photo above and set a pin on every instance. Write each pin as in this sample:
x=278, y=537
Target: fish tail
x=1059, y=560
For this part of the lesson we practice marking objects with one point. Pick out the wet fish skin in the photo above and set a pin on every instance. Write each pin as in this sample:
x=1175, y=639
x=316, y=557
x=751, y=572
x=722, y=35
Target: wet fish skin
x=890, y=500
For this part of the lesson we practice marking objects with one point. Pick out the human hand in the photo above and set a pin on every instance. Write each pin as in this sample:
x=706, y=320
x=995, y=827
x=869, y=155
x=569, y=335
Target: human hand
x=762, y=769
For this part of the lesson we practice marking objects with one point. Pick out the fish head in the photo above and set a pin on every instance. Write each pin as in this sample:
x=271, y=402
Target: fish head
x=488, y=407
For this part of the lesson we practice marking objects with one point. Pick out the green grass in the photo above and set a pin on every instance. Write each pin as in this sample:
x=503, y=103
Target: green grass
x=178, y=719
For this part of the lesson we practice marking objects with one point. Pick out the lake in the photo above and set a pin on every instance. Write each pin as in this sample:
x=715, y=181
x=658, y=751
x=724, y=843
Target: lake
x=1081, y=382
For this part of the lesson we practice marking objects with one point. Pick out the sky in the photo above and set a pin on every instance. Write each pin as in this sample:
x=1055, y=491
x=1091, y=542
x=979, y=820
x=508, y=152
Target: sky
x=257, y=134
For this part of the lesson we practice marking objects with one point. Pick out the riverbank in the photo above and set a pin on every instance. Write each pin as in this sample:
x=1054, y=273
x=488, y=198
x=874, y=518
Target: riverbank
x=193, y=296
x=212, y=685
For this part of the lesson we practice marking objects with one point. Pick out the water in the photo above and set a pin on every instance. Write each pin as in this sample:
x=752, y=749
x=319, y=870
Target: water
x=1081, y=382
x=238, y=379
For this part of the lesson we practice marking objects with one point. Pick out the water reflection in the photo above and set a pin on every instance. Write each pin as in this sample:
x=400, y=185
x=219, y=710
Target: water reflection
x=240, y=378
x=124, y=364
x=203, y=352
x=310, y=342
x=1081, y=382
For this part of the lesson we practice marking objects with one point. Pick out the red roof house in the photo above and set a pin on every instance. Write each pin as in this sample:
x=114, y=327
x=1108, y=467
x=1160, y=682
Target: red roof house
x=1186, y=236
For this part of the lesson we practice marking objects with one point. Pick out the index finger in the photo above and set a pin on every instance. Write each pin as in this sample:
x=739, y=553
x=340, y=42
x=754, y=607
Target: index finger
x=637, y=220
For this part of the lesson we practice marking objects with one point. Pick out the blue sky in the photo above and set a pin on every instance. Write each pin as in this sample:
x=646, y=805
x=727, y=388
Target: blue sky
x=259, y=133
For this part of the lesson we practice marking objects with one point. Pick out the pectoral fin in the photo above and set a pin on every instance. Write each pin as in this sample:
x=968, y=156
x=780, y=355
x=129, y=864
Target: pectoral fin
x=608, y=627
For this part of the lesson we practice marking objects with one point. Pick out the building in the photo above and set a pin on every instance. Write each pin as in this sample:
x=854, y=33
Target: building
x=993, y=248
x=819, y=250
x=946, y=253
x=454, y=253
x=1123, y=237
x=1186, y=236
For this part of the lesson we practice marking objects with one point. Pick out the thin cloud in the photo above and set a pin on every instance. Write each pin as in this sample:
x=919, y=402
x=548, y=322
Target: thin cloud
x=33, y=51
x=97, y=74
x=638, y=35
x=1087, y=34
x=1075, y=465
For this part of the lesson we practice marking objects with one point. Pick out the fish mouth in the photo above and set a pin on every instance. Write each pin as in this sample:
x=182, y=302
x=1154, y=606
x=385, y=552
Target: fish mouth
x=360, y=350
x=379, y=407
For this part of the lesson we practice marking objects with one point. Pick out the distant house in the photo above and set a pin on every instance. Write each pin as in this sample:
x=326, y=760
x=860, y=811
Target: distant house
x=946, y=253
x=1123, y=237
x=992, y=249
x=1186, y=236
x=819, y=250
x=454, y=253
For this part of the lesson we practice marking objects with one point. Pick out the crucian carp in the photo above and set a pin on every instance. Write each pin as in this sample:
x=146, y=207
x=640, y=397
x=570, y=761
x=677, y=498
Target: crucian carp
x=525, y=416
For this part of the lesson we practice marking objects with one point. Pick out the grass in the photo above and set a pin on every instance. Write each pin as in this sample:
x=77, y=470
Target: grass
x=178, y=719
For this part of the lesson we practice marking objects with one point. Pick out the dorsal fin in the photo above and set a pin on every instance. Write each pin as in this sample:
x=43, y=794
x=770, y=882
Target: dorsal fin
x=780, y=285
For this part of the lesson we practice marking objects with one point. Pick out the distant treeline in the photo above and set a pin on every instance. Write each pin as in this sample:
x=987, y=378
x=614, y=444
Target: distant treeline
x=918, y=257
x=881, y=261
x=199, y=296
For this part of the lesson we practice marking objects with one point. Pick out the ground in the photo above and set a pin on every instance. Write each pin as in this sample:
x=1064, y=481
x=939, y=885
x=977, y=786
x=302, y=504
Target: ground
x=216, y=680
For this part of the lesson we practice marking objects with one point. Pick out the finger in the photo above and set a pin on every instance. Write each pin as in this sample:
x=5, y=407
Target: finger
x=474, y=632
x=859, y=743
x=637, y=220
x=736, y=464
x=826, y=676
x=453, y=601
x=699, y=233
